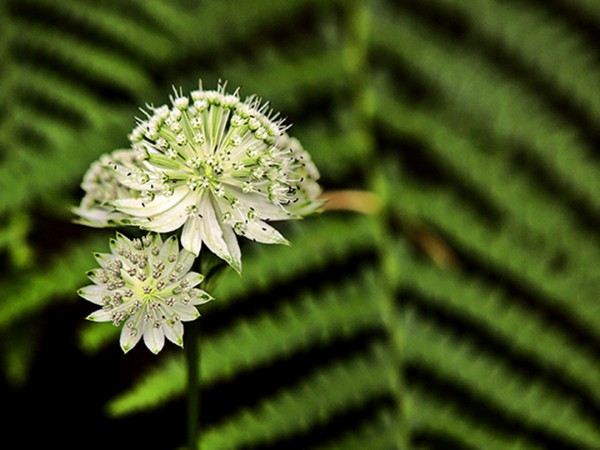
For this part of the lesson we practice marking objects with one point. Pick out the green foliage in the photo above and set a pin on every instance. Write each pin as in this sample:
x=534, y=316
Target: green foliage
x=463, y=314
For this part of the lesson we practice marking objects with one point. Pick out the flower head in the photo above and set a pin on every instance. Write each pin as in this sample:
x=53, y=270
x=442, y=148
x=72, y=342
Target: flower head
x=145, y=284
x=102, y=187
x=216, y=167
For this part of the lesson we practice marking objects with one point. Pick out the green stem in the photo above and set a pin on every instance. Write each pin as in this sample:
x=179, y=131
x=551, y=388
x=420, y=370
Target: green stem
x=192, y=349
x=213, y=268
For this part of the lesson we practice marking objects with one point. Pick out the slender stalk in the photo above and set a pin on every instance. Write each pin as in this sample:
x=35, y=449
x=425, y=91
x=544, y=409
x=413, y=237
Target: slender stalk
x=212, y=268
x=192, y=349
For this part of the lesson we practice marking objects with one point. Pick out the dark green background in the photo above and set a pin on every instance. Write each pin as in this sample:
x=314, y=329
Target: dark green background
x=463, y=315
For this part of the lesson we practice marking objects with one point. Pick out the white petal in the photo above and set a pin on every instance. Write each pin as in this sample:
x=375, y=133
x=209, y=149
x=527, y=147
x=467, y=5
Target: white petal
x=191, y=239
x=131, y=335
x=200, y=297
x=218, y=237
x=103, y=315
x=193, y=279
x=96, y=217
x=170, y=247
x=186, y=260
x=210, y=227
x=174, y=332
x=155, y=244
x=172, y=219
x=154, y=337
x=100, y=316
x=104, y=259
x=233, y=246
x=262, y=232
x=141, y=208
x=164, y=223
x=119, y=242
x=93, y=293
x=262, y=205
x=95, y=275
x=186, y=312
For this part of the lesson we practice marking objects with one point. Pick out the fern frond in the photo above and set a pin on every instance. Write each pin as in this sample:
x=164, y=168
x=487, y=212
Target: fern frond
x=379, y=433
x=524, y=205
x=585, y=8
x=332, y=148
x=123, y=29
x=51, y=88
x=508, y=108
x=544, y=44
x=519, y=327
x=501, y=251
x=284, y=78
x=430, y=414
x=102, y=64
x=31, y=292
x=329, y=391
x=224, y=22
x=61, y=165
x=13, y=238
x=474, y=121
x=18, y=344
x=536, y=403
x=316, y=243
x=292, y=327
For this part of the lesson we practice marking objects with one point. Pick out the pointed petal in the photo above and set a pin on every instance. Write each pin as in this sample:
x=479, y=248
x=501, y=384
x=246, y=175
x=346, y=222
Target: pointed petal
x=191, y=238
x=186, y=312
x=100, y=316
x=169, y=250
x=96, y=217
x=131, y=332
x=214, y=234
x=104, y=259
x=192, y=279
x=234, y=247
x=199, y=297
x=143, y=208
x=95, y=275
x=94, y=293
x=166, y=222
x=174, y=332
x=154, y=337
x=106, y=315
x=259, y=231
x=171, y=219
x=186, y=260
x=118, y=242
x=263, y=206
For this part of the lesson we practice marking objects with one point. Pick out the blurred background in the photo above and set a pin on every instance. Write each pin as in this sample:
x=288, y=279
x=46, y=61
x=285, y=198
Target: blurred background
x=464, y=313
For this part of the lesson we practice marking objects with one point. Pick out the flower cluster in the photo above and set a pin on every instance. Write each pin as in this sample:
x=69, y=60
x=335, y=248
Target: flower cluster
x=145, y=284
x=210, y=164
x=101, y=187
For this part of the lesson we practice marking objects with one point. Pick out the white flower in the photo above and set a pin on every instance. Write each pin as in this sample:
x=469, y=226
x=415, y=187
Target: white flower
x=216, y=167
x=147, y=285
x=101, y=186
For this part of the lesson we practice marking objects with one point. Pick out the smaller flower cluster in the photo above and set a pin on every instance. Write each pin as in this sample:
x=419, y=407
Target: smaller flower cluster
x=145, y=284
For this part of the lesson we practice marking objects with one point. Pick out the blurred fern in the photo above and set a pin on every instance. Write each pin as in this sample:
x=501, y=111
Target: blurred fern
x=464, y=314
